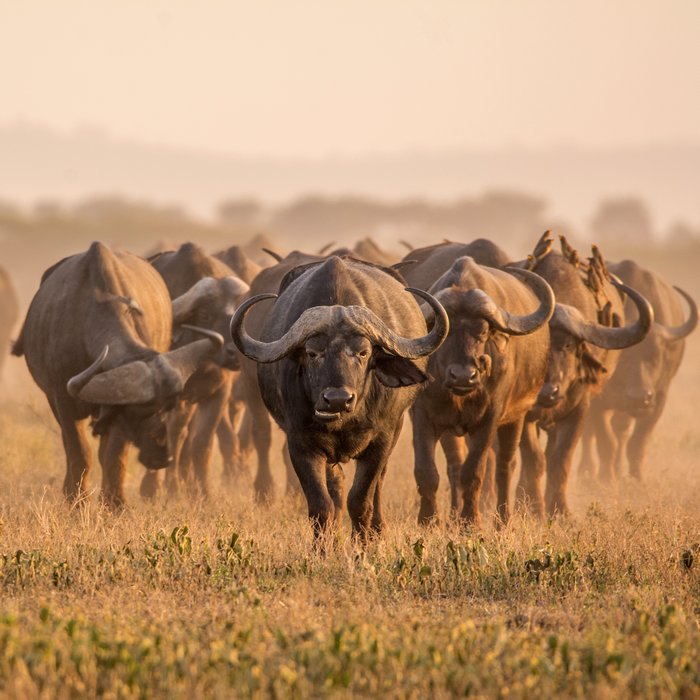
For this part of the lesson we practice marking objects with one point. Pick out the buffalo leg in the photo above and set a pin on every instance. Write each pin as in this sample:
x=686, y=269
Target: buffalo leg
x=587, y=466
x=78, y=457
x=262, y=438
x=112, y=453
x=335, y=481
x=607, y=443
x=622, y=427
x=368, y=474
x=206, y=419
x=455, y=450
x=508, y=441
x=638, y=444
x=473, y=470
x=532, y=470
x=293, y=485
x=488, y=488
x=378, y=510
x=563, y=439
x=425, y=470
x=311, y=470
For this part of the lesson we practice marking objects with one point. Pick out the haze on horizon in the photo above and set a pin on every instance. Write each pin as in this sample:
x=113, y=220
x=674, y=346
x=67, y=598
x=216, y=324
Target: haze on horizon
x=313, y=78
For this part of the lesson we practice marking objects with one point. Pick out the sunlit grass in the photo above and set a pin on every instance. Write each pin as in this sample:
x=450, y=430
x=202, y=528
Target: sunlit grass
x=227, y=598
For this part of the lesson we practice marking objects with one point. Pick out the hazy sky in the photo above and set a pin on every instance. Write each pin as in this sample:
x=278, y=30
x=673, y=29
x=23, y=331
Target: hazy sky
x=320, y=77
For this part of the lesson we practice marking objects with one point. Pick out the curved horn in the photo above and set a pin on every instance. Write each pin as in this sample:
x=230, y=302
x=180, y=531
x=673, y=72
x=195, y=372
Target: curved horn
x=255, y=349
x=674, y=333
x=324, y=249
x=217, y=338
x=570, y=319
x=272, y=254
x=76, y=383
x=410, y=348
x=522, y=325
x=317, y=318
x=144, y=381
x=185, y=303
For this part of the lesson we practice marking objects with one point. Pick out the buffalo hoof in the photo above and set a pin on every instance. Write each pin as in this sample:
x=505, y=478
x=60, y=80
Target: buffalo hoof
x=150, y=485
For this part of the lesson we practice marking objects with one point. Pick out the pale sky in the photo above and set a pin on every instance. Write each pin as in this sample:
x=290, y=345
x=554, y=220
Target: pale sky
x=318, y=77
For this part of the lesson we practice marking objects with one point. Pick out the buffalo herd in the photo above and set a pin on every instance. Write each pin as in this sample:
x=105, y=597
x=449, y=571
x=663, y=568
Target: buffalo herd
x=493, y=358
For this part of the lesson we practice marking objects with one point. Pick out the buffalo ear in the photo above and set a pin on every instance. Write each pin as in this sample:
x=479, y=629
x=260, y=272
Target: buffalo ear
x=393, y=371
x=592, y=368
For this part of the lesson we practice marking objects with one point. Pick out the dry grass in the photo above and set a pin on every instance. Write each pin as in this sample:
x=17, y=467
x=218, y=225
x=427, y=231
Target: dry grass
x=223, y=598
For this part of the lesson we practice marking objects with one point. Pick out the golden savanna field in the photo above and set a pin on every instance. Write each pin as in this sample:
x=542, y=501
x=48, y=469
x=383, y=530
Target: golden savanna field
x=227, y=598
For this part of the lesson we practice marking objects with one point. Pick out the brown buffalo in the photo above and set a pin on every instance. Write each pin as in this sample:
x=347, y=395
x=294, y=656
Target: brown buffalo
x=587, y=331
x=96, y=340
x=637, y=391
x=205, y=293
x=485, y=379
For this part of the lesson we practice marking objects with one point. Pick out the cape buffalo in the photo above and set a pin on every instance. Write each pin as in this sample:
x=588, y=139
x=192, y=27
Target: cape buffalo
x=638, y=389
x=96, y=341
x=586, y=332
x=432, y=261
x=421, y=268
x=244, y=267
x=342, y=353
x=486, y=377
x=205, y=293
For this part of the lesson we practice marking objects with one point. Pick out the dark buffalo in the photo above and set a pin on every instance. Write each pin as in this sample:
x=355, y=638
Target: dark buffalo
x=96, y=341
x=485, y=379
x=638, y=389
x=342, y=353
x=9, y=313
x=205, y=293
x=586, y=332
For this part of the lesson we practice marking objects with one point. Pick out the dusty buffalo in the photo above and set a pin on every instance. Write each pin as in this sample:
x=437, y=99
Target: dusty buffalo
x=205, y=293
x=587, y=329
x=244, y=267
x=432, y=261
x=96, y=341
x=421, y=268
x=485, y=379
x=636, y=393
x=342, y=353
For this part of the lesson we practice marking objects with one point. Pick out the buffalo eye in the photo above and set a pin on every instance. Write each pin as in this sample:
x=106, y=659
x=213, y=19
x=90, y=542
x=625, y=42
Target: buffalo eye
x=363, y=354
x=311, y=354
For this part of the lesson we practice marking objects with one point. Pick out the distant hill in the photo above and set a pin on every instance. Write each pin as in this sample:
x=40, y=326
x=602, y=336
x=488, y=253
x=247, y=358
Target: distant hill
x=39, y=163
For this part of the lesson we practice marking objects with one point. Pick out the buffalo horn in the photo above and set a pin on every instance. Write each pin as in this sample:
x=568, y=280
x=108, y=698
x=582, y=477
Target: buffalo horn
x=570, y=319
x=141, y=381
x=76, y=383
x=318, y=318
x=674, y=333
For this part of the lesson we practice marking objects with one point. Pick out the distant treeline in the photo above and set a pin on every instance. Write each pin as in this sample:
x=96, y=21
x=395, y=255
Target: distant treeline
x=36, y=236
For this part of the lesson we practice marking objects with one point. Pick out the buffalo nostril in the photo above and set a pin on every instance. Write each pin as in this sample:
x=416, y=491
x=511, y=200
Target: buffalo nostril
x=451, y=373
x=473, y=375
x=349, y=400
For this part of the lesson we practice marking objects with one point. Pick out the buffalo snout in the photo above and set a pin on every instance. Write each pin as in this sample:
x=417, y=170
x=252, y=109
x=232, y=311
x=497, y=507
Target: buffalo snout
x=335, y=401
x=549, y=395
x=640, y=401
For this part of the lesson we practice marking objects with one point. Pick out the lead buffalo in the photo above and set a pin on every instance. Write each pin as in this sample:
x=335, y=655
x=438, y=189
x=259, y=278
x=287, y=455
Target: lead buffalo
x=95, y=340
x=486, y=377
x=638, y=389
x=341, y=357
x=586, y=332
